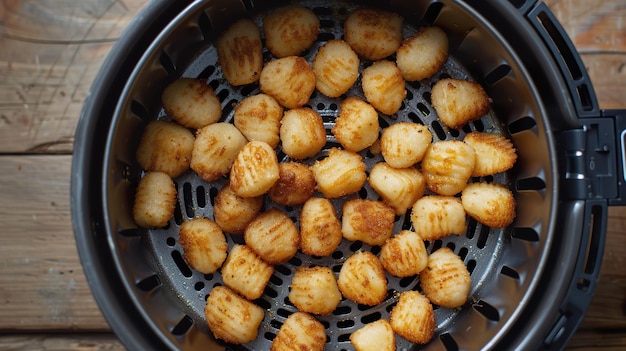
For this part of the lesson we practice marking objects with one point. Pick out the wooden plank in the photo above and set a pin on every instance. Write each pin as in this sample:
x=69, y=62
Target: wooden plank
x=51, y=53
x=42, y=285
x=53, y=49
x=61, y=342
x=593, y=26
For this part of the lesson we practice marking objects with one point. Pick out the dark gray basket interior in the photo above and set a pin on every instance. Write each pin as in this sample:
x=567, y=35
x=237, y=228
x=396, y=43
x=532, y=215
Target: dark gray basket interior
x=503, y=263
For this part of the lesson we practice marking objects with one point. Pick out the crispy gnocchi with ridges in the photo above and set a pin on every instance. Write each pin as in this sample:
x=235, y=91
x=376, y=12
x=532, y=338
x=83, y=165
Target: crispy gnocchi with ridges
x=362, y=279
x=413, y=317
x=423, y=54
x=373, y=33
x=255, y=170
x=314, y=290
x=404, y=144
x=369, y=221
x=290, y=80
x=398, y=187
x=295, y=184
x=302, y=133
x=165, y=147
x=356, y=126
x=459, y=102
x=233, y=212
x=273, y=236
x=300, y=331
x=445, y=280
x=231, y=317
x=336, y=68
x=404, y=254
x=447, y=166
x=491, y=204
x=204, y=244
x=374, y=336
x=290, y=30
x=245, y=272
x=341, y=173
x=240, y=53
x=215, y=149
x=258, y=118
x=155, y=200
x=494, y=153
x=435, y=217
x=320, y=229
x=191, y=102
x=384, y=86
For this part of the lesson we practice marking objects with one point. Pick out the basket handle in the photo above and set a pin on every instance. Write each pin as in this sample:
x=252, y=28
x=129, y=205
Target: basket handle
x=565, y=55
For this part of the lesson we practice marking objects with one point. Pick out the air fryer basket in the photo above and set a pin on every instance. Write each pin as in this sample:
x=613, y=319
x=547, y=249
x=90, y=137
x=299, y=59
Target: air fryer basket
x=531, y=282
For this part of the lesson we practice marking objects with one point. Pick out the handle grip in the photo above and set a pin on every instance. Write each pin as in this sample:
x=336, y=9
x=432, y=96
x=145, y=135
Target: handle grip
x=567, y=58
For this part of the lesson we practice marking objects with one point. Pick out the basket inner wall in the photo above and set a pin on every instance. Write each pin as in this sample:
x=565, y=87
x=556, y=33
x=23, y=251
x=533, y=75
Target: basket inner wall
x=502, y=263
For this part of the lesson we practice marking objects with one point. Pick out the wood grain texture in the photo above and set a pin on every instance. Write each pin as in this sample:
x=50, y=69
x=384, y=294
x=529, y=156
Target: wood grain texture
x=51, y=52
x=42, y=285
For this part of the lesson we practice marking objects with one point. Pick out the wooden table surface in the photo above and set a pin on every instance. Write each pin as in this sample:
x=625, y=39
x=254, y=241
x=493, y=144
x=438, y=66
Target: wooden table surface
x=50, y=51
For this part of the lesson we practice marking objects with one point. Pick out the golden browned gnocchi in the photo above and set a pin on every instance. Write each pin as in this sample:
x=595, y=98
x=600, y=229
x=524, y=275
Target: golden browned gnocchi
x=165, y=147
x=191, y=102
x=255, y=170
x=383, y=86
x=290, y=30
x=491, y=204
x=155, y=200
x=273, y=236
x=341, y=173
x=290, y=80
x=258, y=118
x=356, y=126
x=314, y=290
x=231, y=317
x=320, y=230
x=240, y=53
x=362, y=279
x=233, y=212
x=404, y=144
x=302, y=133
x=245, y=272
x=404, y=254
x=215, y=149
x=445, y=280
x=413, y=317
x=398, y=187
x=369, y=221
x=458, y=102
x=423, y=54
x=300, y=331
x=204, y=244
x=434, y=217
x=295, y=184
x=336, y=68
x=374, y=336
x=448, y=166
x=494, y=153
x=373, y=33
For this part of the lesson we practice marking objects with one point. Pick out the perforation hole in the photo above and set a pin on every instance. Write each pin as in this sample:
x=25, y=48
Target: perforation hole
x=166, y=62
x=433, y=12
x=181, y=264
x=522, y=124
x=188, y=199
x=448, y=342
x=497, y=74
x=487, y=310
x=139, y=110
x=183, y=326
x=150, y=283
x=533, y=183
x=526, y=234
x=509, y=272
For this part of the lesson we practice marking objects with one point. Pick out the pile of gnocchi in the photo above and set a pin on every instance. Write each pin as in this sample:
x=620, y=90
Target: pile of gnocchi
x=431, y=180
